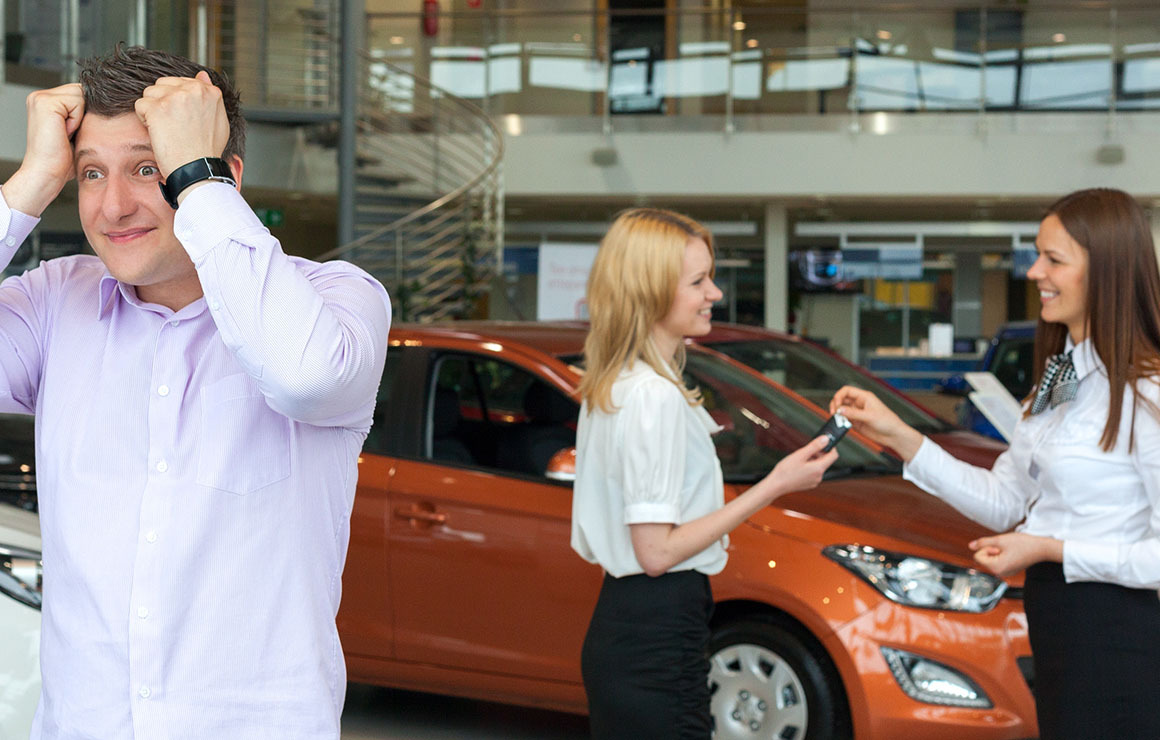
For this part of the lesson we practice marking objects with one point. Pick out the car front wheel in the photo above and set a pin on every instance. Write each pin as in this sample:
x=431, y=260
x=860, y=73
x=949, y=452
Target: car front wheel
x=768, y=683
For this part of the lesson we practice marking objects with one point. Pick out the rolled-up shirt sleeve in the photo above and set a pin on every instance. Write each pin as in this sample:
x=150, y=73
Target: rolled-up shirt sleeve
x=654, y=441
x=996, y=498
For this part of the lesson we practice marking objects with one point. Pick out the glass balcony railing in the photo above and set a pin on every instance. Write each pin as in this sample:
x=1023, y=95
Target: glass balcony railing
x=741, y=61
x=568, y=59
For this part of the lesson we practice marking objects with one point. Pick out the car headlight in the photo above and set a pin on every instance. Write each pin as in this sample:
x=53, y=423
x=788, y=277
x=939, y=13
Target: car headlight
x=915, y=581
x=21, y=575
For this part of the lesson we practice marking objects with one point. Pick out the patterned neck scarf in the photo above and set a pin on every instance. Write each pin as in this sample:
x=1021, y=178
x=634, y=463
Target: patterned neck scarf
x=1058, y=385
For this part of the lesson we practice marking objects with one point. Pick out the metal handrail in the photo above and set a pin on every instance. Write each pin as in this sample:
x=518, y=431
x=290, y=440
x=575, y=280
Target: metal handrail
x=490, y=169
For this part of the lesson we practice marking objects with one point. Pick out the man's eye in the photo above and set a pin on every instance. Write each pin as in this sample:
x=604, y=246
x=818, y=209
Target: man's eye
x=91, y=175
x=148, y=170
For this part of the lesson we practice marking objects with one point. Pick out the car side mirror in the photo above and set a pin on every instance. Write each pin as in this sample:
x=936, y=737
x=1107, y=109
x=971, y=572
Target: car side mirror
x=562, y=465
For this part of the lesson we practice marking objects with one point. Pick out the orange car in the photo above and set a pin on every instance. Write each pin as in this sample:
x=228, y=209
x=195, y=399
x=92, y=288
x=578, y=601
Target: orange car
x=848, y=611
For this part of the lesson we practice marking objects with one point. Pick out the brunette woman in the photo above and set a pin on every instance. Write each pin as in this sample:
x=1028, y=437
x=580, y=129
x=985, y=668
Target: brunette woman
x=648, y=502
x=1081, y=479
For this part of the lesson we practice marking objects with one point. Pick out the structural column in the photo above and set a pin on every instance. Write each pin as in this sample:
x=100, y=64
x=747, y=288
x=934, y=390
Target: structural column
x=967, y=295
x=353, y=13
x=776, y=266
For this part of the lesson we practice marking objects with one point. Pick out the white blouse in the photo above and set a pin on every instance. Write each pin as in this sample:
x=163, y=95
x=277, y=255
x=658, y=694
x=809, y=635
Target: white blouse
x=1057, y=481
x=649, y=461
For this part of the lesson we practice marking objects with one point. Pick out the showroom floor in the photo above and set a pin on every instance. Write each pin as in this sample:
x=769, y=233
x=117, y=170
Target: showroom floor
x=389, y=714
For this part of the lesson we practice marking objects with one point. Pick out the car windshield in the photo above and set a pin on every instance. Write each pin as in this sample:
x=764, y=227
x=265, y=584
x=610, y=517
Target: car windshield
x=17, y=479
x=1012, y=363
x=815, y=375
x=761, y=425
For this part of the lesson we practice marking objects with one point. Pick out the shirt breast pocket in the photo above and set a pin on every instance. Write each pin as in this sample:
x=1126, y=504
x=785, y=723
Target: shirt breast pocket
x=244, y=444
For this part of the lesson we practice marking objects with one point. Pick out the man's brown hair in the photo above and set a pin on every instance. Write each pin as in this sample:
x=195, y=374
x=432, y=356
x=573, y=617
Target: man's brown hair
x=112, y=84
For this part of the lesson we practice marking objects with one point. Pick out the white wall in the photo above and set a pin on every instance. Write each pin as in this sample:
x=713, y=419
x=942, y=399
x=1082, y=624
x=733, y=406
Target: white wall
x=930, y=155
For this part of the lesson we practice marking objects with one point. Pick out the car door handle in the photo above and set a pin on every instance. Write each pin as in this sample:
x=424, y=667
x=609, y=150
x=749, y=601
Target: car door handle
x=420, y=515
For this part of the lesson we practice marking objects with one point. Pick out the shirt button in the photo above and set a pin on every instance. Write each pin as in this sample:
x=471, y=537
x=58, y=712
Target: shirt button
x=142, y=612
x=163, y=390
x=214, y=305
x=151, y=537
x=10, y=241
x=162, y=466
x=175, y=322
x=144, y=692
x=186, y=235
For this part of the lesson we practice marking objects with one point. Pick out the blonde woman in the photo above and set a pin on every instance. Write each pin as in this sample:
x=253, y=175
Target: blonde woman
x=648, y=503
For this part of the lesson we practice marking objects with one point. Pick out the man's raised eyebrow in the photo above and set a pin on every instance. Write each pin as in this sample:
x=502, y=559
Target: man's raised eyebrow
x=139, y=147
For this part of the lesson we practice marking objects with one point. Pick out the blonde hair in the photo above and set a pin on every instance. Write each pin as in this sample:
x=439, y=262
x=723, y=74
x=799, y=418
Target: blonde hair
x=630, y=288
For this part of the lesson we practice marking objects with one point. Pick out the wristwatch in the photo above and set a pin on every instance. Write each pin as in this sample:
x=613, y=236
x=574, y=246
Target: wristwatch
x=206, y=168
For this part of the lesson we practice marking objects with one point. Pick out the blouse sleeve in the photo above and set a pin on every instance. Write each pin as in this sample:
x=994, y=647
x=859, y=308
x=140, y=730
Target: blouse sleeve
x=653, y=443
x=997, y=498
x=1131, y=564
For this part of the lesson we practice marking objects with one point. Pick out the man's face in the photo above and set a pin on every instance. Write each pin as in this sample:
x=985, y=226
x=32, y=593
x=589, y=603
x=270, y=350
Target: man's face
x=123, y=214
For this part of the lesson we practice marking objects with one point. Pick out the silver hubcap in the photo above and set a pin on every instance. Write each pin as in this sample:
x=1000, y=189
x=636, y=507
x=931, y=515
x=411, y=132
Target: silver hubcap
x=756, y=695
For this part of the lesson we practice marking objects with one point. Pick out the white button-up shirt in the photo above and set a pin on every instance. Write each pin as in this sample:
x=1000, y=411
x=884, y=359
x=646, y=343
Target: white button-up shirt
x=1057, y=481
x=650, y=461
x=196, y=472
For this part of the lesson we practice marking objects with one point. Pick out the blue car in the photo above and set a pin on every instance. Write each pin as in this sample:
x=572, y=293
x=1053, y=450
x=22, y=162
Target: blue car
x=1010, y=358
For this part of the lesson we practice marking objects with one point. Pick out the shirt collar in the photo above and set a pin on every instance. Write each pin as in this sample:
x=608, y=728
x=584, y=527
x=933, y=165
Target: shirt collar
x=1084, y=357
x=110, y=287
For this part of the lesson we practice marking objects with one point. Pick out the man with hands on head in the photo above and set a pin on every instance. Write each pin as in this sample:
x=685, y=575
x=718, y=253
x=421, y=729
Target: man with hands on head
x=201, y=399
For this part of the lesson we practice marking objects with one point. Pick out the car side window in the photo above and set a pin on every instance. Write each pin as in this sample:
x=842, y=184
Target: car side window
x=1013, y=364
x=486, y=412
x=382, y=438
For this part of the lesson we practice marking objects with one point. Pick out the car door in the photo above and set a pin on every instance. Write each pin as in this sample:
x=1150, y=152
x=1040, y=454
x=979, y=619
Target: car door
x=364, y=617
x=481, y=570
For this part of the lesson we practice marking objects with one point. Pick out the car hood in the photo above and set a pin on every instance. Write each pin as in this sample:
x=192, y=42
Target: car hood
x=969, y=446
x=882, y=507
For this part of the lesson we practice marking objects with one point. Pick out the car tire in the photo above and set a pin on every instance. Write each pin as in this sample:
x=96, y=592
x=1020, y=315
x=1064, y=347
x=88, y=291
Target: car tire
x=769, y=680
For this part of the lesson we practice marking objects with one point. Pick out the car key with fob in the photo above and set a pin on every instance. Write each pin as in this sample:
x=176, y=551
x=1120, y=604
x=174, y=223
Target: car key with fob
x=834, y=429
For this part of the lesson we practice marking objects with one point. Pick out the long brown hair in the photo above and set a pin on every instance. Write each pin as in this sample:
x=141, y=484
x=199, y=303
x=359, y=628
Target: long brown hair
x=630, y=288
x=1123, y=296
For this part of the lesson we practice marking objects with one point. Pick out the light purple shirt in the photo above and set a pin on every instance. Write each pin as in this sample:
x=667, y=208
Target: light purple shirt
x=195, y=472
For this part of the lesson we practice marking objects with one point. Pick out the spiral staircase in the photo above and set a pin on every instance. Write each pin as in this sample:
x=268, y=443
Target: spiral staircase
x=428, y=194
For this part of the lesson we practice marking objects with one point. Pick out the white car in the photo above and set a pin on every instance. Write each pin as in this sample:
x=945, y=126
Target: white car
x=20, y=582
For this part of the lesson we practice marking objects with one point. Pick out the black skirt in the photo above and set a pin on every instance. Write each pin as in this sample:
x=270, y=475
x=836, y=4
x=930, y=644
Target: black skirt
x=644, y=660
x=1096, y=650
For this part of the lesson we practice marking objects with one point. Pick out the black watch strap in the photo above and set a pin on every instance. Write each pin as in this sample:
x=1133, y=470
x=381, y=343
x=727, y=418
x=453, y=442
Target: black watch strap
x=206, y=168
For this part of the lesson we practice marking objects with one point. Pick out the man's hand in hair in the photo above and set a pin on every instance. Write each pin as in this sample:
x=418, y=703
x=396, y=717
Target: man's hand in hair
x=186, y=120
x=54, y=115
